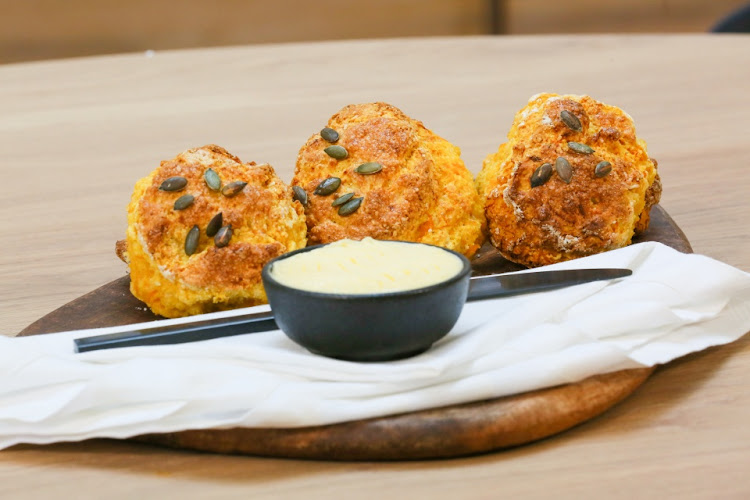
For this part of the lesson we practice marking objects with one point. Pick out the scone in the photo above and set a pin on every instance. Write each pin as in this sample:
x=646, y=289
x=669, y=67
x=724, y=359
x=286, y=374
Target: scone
x=373, y=171
x=200, y=229
x=572, y=180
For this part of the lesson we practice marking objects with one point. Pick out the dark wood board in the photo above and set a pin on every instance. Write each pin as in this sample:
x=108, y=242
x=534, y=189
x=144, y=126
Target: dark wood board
x=451, y=431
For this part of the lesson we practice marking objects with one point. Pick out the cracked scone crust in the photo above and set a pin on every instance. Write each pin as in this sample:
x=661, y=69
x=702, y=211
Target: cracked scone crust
x=557, y=221
x=424, y=192
x=266, y=222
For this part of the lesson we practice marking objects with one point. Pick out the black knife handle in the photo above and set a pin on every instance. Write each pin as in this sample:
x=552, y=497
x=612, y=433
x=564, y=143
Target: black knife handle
x=180, y=334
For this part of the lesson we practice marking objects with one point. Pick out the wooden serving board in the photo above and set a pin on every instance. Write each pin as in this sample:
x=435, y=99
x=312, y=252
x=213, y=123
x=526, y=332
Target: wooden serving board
x=451, y=431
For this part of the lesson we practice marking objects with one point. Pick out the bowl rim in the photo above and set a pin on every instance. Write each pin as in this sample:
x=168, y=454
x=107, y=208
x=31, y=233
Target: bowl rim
x=465, y=270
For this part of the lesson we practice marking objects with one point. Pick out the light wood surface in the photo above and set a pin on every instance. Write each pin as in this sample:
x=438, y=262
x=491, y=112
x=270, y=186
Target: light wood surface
x=75, y=136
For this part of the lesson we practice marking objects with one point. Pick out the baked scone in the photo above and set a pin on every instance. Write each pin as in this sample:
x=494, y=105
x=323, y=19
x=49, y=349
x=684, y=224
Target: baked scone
x=572, y=180
x=373, y=171
x=179, y=270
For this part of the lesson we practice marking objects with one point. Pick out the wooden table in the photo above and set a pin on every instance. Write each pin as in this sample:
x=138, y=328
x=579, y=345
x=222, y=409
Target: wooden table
x=75, y=135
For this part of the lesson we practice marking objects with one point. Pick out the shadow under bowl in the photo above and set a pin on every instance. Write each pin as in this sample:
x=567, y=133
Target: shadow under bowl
x=373, y=327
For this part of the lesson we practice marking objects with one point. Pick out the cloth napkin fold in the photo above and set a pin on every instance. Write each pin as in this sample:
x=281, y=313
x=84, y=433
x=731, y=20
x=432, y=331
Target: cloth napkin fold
x=672, y=305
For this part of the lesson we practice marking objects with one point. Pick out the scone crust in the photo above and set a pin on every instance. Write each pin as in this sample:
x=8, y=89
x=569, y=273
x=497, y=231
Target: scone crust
x=558, y=221
x=424, y=192
x=265, y=220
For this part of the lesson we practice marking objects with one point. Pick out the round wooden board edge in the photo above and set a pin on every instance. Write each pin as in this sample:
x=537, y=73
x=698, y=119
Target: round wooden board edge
x=452, y=431
x=447, y=432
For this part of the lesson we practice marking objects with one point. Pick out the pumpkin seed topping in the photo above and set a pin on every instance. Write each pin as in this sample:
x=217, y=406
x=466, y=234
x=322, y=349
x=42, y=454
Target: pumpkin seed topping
x=327, y=186
x=223, y=236
x=564, y=170
x=570, y=120
x=184, y=201
x=580, y=148
x=300, y=195
x=337, y=152
x=233, y=188
x=541, y=175
x=342, y=199
x=369, y=168
x=350, y=206
x=173, y=184
x=329, y=134
x=213, y=181
x=191, y=240
x=214, y=224
x=602, y=168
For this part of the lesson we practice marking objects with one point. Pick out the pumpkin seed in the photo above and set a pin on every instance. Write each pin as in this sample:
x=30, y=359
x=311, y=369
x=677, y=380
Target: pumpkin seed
x=571, y=120
x=541, y=175
x=371, y=167
x=328, y=186
x=184, y=201
x=338, y=152
x=350, y=206
x=223, y=236
x=233, y=188
x=342, y=199
x=300, y=195
x=580, y=148
x=213, y=181
x=173, y=184
x=564, y=170
x=214, y=224
x=602, y=168
x=329, y=135
x=191, y=240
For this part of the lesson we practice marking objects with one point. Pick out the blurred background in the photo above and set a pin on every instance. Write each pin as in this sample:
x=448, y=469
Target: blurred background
x=47, y=29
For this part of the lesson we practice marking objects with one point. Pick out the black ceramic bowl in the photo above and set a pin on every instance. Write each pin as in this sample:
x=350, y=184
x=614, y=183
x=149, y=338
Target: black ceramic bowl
x=374, y=327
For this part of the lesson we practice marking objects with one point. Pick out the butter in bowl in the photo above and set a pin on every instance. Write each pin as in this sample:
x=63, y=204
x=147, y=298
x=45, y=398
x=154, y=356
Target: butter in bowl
x=367, y=300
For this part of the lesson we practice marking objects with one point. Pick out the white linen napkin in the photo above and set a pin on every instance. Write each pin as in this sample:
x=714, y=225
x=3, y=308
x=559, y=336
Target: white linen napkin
x=673, y=304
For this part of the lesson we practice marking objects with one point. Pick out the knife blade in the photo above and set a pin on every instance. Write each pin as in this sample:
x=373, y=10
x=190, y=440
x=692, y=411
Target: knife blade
x=505, y=285
x=480, y=288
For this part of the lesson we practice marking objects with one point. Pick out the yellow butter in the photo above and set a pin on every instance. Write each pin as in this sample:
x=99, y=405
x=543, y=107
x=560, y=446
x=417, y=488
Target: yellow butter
x=367, y=266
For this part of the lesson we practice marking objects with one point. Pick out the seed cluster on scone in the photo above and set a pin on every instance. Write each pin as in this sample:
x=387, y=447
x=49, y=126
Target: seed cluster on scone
x=373, y=171
x=200, y=228
x=572, y=180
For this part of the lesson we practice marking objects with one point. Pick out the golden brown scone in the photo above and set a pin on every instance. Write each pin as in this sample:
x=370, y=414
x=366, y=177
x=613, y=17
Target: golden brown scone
x=121, y=250
x=423, y=193
x=555, y=220
x=653, y=195
x=264, y=219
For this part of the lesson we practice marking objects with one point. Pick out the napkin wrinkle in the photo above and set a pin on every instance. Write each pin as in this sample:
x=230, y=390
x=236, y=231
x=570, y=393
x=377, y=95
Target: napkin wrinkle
x=38, y=403
x=728, y=327
x=302, y=365
x=601, y=324
x=537, y=341
x=661, y=350
x=286, y=358
x=543, y=307
x=546, y=371
x=284, y=406
x=693, y=316
x=631, y=341
x=638, y=260
x=112, y=416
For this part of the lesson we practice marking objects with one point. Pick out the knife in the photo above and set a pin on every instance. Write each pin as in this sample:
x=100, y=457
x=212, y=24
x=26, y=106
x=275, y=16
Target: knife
x=480, y=288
